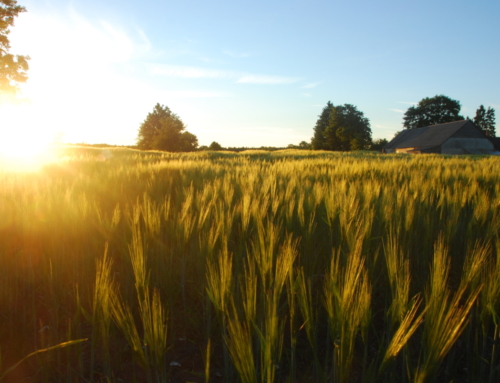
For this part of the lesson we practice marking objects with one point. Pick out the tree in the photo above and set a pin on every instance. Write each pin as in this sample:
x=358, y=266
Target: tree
x=13, y=68
x=304, y=145
x=431, y=111
x=378, y=144
x=215, y=146
x=164, y=130
x=485, y=120
x=348, y=129
x=318, y=142
x=189, y=142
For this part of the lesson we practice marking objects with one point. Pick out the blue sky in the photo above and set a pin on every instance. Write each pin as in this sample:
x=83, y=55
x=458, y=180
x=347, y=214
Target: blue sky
x=248, y=73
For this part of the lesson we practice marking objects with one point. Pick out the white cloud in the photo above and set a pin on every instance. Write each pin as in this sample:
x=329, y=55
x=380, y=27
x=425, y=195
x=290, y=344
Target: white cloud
x=307, y=94
x=311, y=85
x=263, y=79
x=238, y=77
x=188, y=72
x=385, y=132
x=146, y=44
x=407, y=102
x=398, y=110
x=190, y=94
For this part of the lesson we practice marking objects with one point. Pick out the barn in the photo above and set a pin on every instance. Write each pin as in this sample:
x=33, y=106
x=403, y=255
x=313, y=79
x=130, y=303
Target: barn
x=458, y=137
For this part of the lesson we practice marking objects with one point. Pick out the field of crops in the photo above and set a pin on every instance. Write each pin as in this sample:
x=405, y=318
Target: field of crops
x=290, y=266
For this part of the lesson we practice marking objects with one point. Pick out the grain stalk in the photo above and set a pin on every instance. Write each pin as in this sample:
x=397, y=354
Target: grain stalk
x=347, y=302
x=446, y=315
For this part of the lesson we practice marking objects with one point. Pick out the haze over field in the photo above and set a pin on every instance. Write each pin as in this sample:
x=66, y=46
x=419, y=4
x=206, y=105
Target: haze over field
x=245, y=73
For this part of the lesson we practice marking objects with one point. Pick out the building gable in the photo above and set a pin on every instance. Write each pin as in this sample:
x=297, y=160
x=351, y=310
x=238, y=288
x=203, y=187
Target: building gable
x=453, y=138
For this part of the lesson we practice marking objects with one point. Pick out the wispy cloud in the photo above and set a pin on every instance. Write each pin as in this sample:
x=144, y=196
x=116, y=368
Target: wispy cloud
x=407, y=102
x=191, y=94
x=263, y=79
x=397, y=110
x=307, y=94
x=386, y=132
x=238, y=77
x=311, y=85
x=187, y=72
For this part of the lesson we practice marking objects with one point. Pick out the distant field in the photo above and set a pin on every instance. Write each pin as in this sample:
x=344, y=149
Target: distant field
x=290, y=266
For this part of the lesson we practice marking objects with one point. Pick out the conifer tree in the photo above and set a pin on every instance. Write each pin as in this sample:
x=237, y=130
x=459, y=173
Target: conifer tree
x=485, y=120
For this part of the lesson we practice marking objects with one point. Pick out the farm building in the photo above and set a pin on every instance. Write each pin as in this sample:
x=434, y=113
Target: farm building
x=459, y=137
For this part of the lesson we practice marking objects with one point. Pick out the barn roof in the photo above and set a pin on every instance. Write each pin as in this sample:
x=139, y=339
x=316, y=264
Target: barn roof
x=495, y=141
x=427, y=137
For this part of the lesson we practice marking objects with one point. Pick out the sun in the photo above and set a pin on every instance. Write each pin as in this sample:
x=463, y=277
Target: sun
x=24, y=155
x=23, y=146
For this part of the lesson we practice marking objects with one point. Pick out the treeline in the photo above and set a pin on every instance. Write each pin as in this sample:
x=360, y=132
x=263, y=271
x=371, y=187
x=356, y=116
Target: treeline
x=345, y=128
x=338, y=128
x=102, y=145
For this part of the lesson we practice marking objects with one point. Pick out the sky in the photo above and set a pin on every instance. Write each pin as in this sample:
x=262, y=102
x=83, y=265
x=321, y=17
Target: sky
x=246, y=73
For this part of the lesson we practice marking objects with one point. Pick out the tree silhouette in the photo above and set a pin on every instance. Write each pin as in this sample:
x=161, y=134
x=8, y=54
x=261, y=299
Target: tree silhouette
x=485, y=120
x=215, y=146
x=13, y=68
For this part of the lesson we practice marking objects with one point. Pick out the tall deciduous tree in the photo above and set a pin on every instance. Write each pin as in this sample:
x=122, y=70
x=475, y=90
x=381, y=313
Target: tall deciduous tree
x=13, y=68
x=318, y=141
x=485, y=120
x=164, y=130
x=431, y=111
x=348, y=129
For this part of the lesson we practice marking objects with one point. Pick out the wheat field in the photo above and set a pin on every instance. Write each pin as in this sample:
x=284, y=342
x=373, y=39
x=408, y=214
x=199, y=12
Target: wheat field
x=290, y=266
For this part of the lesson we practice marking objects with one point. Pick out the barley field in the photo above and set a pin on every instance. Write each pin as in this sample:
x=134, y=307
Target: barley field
x=292, y=266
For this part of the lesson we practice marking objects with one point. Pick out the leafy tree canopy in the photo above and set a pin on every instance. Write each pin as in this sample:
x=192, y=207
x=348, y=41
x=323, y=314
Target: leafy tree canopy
x=164, y=130
x=215, y=146
x=485, y=120
x=431, y=111
x=342, y=127
x=304, y=145
x=378, y=144
x=318, y=142
x=13, y=68
x=348, y=129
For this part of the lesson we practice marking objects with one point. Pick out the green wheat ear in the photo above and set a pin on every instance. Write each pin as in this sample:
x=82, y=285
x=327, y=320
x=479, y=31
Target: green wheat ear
x=60, y=345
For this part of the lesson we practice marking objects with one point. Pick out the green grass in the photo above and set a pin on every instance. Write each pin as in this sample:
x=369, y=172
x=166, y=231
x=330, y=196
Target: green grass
x=284, y=266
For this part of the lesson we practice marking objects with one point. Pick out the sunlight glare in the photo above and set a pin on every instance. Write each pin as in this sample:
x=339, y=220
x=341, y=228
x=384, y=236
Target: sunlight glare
x=76, y=82
x=24, y=145
x=24, y=155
